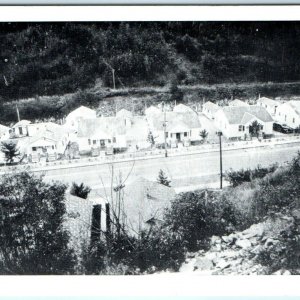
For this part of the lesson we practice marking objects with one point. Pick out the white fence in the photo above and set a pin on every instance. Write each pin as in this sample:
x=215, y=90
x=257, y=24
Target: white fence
x=155, y=153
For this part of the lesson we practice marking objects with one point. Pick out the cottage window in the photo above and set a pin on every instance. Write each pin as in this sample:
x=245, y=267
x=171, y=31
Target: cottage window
x=20, y=130
x=89, y=141
x=94, y=142
x=109, y=141
x=241, y=128
x=285, y=118
x=167, y=134
x=114, y=140
x=185, y=134
x=102, y=143
x=261, y=127
x=53, y=147
x=293, y=120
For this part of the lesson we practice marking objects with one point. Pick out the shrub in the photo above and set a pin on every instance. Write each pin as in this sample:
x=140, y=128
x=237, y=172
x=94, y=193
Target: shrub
x=199, y=215
x=80, y=190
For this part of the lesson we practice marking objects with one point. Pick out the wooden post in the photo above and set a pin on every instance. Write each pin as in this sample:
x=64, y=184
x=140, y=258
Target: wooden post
x=96, y=224
x=108, y=220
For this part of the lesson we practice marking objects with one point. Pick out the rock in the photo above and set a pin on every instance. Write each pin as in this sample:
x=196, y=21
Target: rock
x=269, y=242
x=203, y=264
x=213, y=239
x=223, y=264
x=256, y=249
x=244, y=244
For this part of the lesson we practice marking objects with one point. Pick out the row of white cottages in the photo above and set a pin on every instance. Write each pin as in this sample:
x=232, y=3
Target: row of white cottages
x=235, y=119
x=89, y=132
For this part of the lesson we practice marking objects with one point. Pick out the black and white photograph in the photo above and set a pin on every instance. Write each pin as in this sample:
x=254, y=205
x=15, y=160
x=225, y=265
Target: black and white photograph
x=150, y=148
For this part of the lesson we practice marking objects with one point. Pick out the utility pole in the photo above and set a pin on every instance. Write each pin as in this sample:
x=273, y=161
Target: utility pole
x=18, y=113
x=113, y=73
x=219, y=133
x=165, y=130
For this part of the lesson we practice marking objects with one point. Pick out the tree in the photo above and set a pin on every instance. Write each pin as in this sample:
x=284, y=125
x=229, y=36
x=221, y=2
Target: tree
x=163, y=179
x=80, y=190
x=150, y=139
x=32, y=235
x=204, y=134
x=255, y=128
x=10, y=151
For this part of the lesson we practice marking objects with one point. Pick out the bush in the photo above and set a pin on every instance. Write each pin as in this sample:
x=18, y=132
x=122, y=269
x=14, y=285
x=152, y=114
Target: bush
x=199, y=215
x=80, y=190
x=236, y=178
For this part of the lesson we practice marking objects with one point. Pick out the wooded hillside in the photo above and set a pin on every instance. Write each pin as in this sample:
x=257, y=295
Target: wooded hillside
x=58, y=58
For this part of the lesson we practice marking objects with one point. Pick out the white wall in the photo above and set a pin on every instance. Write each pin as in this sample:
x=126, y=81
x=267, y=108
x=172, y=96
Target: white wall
x=286, y=115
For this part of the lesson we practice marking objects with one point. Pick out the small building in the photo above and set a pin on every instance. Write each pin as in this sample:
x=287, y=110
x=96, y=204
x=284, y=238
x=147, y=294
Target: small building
x=210, y=109
x=144, y=203
x=289, y=113
x=269, y=104
x=4, y=132
x=180, y=128
x=20, y=129
x=102, y=133
x=81, y=112
x=237, y=102
x=47, y=144
x=152, y=110
x=236, y=121
x=181, y=108
x=124, y=113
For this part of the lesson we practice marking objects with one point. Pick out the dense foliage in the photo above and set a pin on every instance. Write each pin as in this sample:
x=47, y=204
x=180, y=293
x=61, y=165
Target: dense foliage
x=80, y=190
x=32, y=236
x=236, y=178
x=58, y=58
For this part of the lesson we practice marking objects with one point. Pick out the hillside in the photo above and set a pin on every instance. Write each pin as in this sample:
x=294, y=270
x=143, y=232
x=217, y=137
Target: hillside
x=40, y=59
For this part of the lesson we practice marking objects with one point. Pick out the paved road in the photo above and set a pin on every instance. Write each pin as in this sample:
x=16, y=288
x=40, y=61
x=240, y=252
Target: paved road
x=184, y=171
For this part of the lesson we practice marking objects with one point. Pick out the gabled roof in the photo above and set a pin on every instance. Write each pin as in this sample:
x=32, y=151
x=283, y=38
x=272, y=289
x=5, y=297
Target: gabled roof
x=22, y=123
x=268, y=101
x=124, y=113
x=211, y=106
x=182, y=108
x=237, y=102
x=109, y=126
x=82, y=111
x=235, y=114
x=145, y=200
x=295, y=105
x=152, y=110
x=175, y=119
x=3, y=129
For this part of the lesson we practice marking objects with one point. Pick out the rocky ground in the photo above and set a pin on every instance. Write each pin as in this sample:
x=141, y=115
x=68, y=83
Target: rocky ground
x=238, y=253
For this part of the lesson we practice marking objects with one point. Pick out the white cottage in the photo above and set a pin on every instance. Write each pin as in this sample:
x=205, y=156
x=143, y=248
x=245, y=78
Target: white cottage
x=289, y=113
x=180, y=127
x=81, y=112
x=210, y=109
x=269, y=104
x=237, y=102
x=181, y=108
x=236, y=121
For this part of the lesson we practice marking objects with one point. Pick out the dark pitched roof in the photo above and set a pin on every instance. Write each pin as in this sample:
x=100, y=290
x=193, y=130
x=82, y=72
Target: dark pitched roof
x=235, y=114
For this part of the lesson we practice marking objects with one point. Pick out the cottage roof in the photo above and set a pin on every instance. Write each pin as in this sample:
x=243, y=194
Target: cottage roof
x=295, y=105
x=182, y=108
x=175, y=119
x=82, y=111
x=108, y=126
x=211, y=106
x=124, y=113
x=145, y=200
x=236, y=114
x=3, y=129
x=237, y=102
x=152, y=110
x=22, y=123
x=268, y=101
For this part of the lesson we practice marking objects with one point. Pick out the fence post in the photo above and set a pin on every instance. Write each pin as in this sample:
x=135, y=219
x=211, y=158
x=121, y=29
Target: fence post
x=108, y=222
x=96, y=225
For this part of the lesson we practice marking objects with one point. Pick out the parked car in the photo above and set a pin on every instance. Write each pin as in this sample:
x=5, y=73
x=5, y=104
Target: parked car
x=282, y=128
